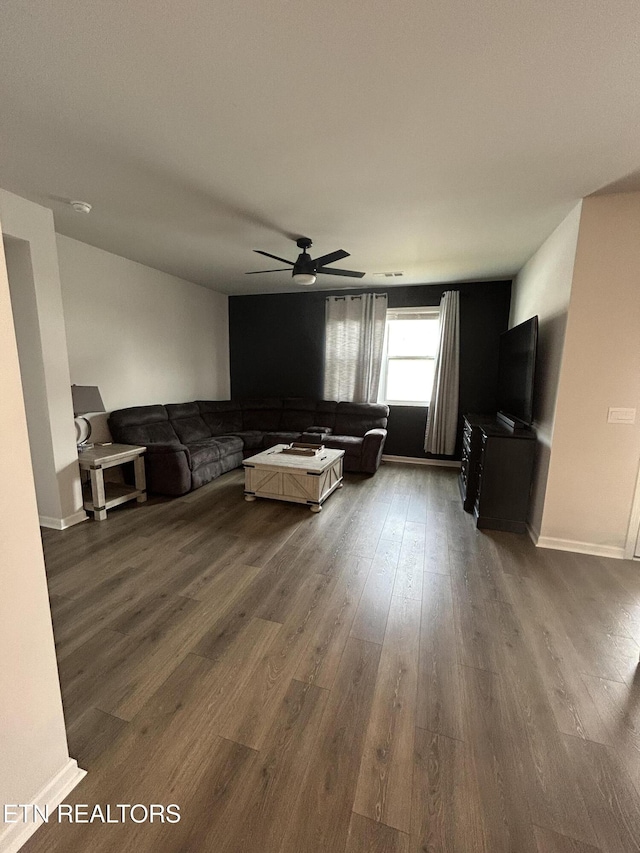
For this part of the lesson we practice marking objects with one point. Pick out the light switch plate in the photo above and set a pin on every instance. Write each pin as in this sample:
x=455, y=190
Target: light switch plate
x=621, y=416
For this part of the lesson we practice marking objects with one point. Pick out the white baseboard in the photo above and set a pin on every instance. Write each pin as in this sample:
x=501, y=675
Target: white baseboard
x=633, y=535
x=613, y=551
x=534, y=535
x=415, y=460
x=63, y=523
x=52, y=794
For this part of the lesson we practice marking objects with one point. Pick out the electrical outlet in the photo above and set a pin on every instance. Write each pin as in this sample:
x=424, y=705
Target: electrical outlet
x=621, y=416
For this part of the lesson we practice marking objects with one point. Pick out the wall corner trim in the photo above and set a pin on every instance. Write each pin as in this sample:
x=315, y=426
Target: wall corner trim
x=633, y=534
x=52, y=794
x=534, y=534
x=63, y=523
x=613, y=551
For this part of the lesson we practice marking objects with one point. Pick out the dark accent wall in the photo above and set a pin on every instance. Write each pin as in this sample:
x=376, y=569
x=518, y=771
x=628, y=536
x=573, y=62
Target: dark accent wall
x=277, y=348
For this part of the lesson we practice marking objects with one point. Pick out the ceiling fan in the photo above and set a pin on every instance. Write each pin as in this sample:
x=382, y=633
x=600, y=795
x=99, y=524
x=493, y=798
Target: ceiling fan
x=306, y=268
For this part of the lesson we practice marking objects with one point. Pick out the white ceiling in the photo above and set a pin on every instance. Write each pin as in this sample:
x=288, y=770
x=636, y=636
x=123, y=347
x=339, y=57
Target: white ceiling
x=445, y=139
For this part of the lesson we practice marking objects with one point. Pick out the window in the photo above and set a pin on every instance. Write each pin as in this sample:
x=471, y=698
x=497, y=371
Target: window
x=408, y=360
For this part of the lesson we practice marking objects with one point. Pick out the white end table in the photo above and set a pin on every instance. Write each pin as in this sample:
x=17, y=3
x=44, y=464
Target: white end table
x=105, y=496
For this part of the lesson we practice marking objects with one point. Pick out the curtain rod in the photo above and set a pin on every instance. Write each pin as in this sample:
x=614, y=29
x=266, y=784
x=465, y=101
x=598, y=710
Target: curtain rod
x=375, y=295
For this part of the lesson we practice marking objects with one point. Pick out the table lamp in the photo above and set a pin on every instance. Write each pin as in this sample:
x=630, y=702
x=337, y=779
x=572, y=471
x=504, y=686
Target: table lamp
x=86, y=398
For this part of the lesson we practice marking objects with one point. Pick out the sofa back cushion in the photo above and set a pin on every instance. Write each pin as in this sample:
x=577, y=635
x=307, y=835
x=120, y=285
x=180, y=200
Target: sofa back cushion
x=221, y=416
x=187, y=421
x=142, y=425
x=261, y=413
x=358, y=418
x=298, y=413
x=326, y=413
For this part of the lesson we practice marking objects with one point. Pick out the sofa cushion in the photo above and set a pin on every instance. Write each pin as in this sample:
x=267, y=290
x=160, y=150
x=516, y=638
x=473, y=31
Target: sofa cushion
x=357, y=418
x=206, y=473
x=298, y=413
x=214, y=450
x=252, y=438
x=223, y=417
x=142, y=425
x=182, y=410
x=191, y=429
x=263, y=414
x=136, y=415
x=187, y=422
x=271, y=438
x=229, y=444
x=325, y=413
x=204, y=452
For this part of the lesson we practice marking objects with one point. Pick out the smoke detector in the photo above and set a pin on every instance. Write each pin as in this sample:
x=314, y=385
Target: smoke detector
x=81, y=206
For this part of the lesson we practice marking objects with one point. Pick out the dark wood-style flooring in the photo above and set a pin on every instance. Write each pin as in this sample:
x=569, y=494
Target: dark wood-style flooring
x=380, y=677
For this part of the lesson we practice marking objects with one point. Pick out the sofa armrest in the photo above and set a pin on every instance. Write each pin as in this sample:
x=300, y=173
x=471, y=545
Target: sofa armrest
x=372, y=445
x=168, y=469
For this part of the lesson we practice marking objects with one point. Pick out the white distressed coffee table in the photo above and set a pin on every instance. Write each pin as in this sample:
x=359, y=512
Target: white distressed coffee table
x=300, y=479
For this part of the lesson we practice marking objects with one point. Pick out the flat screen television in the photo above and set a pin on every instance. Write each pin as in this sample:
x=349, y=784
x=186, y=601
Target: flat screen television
x=516, y=372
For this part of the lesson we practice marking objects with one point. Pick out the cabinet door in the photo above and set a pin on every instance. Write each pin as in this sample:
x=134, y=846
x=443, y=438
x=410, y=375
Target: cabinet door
x=507, y=466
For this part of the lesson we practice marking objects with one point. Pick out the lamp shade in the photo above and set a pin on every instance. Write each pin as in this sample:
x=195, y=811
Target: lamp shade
x=86, y=398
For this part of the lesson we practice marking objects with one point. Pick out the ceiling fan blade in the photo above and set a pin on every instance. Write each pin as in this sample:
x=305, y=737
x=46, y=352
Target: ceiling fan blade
x=323, y=260
x=257, y=272
x=275, y=257
x=350, y=273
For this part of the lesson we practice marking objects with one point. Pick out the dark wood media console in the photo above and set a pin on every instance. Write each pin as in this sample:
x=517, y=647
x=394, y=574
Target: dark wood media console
x=496, y=473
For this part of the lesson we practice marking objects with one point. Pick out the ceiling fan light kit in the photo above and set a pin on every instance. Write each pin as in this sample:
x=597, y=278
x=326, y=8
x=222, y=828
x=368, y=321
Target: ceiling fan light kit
x=305, y=278
x=306, y=268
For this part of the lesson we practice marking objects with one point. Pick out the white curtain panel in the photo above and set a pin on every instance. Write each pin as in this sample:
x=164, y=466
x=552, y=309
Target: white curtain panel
x=353, y=346
x=442, y=419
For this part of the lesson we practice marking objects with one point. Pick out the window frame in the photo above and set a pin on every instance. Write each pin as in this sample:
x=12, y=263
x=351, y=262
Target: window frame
x=419, y=313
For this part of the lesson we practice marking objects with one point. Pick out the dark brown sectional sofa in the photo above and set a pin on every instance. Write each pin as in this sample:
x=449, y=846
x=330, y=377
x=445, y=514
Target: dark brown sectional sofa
x=190, y=444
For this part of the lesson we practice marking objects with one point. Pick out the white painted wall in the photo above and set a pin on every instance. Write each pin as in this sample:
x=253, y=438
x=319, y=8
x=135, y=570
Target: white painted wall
x=594, y=464
x=35, y=764
x=142, y=336
x=58, y=480
x=543, y=287
x=25, y=320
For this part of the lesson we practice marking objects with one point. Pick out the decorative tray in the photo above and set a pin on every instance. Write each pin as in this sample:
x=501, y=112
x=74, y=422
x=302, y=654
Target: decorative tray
x=298, y=448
